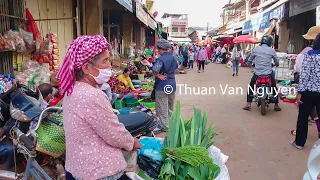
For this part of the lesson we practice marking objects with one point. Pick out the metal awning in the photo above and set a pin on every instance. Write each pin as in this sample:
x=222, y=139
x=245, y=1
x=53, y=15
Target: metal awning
x=174, y=39
x=233, y=31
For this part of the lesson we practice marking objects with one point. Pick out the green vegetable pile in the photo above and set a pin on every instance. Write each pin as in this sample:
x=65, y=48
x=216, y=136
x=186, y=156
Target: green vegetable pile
x=185, y=148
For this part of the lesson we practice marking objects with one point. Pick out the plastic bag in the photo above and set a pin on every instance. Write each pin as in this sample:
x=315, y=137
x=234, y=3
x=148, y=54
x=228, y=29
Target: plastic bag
x=28, y=39
x=151, y=148
x=2, y=43
x=219, y=159
x=18, y=41
x=46, y=46
x=152, y=168
x=181, y=59
x=6, y=45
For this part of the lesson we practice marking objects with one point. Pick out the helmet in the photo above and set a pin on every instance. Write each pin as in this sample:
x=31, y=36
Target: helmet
x=267, y=39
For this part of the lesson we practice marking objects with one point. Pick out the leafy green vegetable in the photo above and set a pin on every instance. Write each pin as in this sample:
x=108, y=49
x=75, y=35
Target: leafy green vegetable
x=185, y=148
x=193, y=155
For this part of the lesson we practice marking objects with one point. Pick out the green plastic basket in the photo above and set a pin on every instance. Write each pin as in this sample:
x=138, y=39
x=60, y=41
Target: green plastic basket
x=145, y=86
x=118, y=104
x=148, y=104
x=131, y=102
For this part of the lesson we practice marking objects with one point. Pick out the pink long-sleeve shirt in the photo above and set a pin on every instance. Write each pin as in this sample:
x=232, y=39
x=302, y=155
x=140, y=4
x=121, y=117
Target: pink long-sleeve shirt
x=94, y=136
x=202, y=55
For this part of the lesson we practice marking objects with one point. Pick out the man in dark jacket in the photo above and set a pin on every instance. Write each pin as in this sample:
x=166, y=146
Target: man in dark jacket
x=184, y=52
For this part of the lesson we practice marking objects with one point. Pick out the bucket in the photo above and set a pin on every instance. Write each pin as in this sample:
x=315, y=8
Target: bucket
x=141, y=77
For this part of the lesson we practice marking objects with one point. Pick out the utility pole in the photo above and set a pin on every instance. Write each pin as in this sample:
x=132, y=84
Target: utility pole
x=207, y=26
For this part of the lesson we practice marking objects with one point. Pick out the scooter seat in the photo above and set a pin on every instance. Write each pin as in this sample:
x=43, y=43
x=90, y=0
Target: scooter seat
x=135, y=121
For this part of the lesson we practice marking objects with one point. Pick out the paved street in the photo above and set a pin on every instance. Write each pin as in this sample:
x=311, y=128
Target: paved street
x=259, y=147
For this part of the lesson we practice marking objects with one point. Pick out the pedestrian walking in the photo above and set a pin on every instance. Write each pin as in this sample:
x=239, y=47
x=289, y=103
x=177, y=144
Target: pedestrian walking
x=184, y=53
x=191, y=59
x=236, y=55
x=308, y=92
x=202, y=57
x=223, y=52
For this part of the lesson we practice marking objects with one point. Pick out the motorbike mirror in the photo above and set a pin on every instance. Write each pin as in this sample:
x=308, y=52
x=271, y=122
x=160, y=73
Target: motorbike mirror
x=18, y=114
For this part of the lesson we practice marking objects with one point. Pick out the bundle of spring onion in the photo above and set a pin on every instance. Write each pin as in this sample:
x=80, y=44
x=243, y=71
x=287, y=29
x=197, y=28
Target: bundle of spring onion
x=185, y=148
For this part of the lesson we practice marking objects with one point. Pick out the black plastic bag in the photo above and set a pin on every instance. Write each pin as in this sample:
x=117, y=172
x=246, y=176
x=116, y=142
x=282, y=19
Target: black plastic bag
x=151, y=167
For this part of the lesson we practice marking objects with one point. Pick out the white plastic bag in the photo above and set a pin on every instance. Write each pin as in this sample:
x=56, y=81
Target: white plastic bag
x=133, y=176
x=219, y=159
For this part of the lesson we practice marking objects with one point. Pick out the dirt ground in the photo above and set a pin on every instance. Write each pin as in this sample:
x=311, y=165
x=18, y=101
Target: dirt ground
x=258, y=146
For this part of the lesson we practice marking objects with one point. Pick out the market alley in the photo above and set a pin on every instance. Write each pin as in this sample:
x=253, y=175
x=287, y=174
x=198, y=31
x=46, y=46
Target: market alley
x=258, y=146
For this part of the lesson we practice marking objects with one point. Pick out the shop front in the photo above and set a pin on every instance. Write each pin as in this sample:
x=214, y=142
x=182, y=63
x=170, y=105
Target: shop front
x=302, y=15
x=118, y=25
x=267, y=22
x=140, y=26
x=151, y=32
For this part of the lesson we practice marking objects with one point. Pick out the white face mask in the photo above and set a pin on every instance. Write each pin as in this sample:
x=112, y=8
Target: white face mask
x=104, y=75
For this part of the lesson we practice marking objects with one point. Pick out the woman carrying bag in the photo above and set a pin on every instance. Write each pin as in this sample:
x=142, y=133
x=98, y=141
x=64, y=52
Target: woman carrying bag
x=236, y=55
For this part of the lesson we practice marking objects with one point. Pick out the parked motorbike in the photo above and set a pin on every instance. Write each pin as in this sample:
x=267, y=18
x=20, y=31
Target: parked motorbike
x=24, y=109
x=139, y=123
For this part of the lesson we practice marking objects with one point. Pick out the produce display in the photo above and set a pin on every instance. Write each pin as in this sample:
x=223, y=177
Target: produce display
x=5, y=83
x=185, y=148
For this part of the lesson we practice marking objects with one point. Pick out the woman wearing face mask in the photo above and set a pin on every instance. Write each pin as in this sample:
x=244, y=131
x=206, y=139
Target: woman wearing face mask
x=94, y=135
x=125, y=78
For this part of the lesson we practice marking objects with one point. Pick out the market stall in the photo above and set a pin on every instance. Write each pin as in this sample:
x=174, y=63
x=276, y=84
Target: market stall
x=187, y=151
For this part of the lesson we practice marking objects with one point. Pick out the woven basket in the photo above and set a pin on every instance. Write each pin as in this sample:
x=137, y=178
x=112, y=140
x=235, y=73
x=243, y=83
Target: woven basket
x=51, y=138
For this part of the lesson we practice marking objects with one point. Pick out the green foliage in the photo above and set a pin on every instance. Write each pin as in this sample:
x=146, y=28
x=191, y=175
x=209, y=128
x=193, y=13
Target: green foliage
x=185, y=148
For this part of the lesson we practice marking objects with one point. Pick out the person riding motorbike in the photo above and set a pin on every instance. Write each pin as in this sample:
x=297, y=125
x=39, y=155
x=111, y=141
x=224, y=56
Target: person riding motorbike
x=261, y=57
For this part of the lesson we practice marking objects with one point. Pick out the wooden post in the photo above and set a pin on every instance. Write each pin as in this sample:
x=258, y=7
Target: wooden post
x=109, y=28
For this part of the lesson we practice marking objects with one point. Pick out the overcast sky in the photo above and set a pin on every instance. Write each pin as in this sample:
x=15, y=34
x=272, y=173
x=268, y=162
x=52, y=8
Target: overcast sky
x=200, y=12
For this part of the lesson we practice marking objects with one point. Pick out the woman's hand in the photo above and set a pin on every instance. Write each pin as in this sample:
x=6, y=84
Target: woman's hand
x=299, y=99
x=136, y=145
x=162, y=77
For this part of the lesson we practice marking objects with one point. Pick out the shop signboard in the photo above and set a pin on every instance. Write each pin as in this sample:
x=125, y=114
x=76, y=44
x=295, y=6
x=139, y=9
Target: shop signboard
x=152, y=24
x=247, y=27
x=258, y=22
x=278, y=13
x=179, y=22
x=302, y=6
x=141, y=14
x=318, y=16
x=127, y=4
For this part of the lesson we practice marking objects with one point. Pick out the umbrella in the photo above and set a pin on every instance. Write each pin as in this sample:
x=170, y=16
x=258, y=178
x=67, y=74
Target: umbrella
x=223, y=37
x=248, y=39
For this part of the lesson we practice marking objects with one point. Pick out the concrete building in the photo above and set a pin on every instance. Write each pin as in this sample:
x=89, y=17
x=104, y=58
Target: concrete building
x=177, y=27
x=197, y=33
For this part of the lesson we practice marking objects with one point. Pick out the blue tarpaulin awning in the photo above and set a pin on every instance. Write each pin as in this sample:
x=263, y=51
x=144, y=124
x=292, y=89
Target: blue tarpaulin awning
x=261, y=22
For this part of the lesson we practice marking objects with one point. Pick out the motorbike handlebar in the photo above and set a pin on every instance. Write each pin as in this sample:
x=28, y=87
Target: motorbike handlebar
x=43, y=115
x=27, y=142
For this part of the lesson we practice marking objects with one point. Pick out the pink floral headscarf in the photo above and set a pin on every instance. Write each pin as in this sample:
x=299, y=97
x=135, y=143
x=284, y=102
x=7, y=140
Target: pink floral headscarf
x=81, y=50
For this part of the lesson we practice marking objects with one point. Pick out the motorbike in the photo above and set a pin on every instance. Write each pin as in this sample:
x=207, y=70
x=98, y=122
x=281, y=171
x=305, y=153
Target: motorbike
x=313, y=163
x=262, y=96
x=24, y=108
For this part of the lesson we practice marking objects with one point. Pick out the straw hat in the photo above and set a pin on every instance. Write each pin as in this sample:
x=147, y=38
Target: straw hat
x=312, y=33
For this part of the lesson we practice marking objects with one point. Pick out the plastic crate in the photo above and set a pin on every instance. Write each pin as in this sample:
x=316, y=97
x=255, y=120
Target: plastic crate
x=148, y=104
x=118, y=104
x=131, y=102
x=125, y=110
